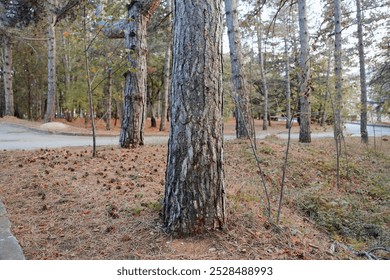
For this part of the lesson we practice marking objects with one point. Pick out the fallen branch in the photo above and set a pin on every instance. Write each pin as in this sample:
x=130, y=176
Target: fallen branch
x=314, y=246
x=368, y=254
x=380, y=248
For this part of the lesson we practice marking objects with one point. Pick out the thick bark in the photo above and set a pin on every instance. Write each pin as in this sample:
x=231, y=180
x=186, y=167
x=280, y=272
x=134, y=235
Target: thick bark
x=363, y=83
x=194, y=192
x=243, y=118
x=51, y=67
x=7, y=74
x=108, y=99
x=167, y=72
x=305, y=77
x=134, y=107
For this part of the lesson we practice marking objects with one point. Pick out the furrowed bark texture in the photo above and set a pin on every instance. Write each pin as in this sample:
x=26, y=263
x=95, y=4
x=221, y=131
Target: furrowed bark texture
x=134, y=107
x=194, y=191
x=243, y=119
x=305, y=77
x=7, y=73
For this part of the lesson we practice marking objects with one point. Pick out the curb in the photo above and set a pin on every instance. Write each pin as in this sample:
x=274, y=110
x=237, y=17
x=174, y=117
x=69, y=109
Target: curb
x=9, y=245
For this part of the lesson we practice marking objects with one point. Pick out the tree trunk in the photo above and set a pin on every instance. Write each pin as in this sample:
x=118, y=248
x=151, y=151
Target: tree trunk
x=305, y=77
x=327, y=93
x=51, y=66
x=108, y=99
x=338, y=86
x=338, y=68
x=68, y=69
x=167, y=72
x=89, y=84
x=288, y=87
x=150, y=105
x=194, y=191
x=262, y=70
x=134, y=107
x=363, y=83
x=243, y=118
x=7, y=73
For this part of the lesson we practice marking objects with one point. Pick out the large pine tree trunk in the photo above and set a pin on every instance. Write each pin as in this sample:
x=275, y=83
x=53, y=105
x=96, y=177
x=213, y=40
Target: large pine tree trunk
x=134, y=107
x=7, y=74
x=51, y=67
x=243, y=118
x=167, y=72
x=305, y=77
x=363, y=83
x=194, y=191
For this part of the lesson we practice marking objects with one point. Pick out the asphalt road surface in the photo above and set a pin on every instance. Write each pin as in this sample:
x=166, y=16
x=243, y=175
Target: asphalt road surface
x=19, y=138
x=351, y=129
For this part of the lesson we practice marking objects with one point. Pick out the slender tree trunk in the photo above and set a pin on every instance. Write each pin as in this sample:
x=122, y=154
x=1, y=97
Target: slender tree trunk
x=29, y=91
x=108, y=99
x=52, y=77
x=243, y=117
x=7, y=74
x=90, y=95
x=363, y=83
x=67, y=68
x=194, y=192
x=134, y=107
x=338, y=68
x=263, y=78
x=153, y=122
x=327, y=93
x=305, y=80
x=167, y=72
x=338, y=86
x=288, y=87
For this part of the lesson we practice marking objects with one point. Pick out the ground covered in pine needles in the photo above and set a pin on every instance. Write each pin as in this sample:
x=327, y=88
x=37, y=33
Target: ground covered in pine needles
x=65, y=204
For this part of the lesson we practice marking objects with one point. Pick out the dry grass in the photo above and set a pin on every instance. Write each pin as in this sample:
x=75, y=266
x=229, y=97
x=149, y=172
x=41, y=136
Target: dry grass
x=64, y=204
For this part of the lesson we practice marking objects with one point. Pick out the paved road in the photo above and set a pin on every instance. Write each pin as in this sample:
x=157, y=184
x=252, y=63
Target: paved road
x=351, y=129
x=18, y=138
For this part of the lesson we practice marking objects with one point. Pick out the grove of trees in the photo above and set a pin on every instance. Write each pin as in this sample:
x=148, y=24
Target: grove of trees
x=309, y=61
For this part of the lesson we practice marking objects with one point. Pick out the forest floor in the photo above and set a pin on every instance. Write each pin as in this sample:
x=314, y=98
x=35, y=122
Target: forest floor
x=65, y=204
